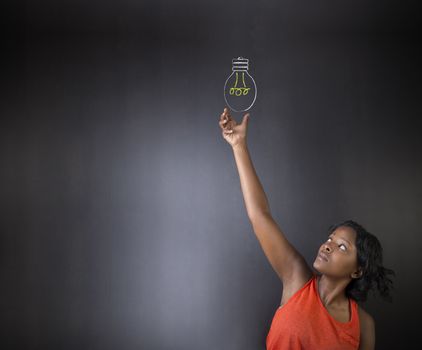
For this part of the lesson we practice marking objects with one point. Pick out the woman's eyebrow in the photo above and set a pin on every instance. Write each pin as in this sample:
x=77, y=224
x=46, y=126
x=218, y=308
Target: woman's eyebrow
x=344, y=239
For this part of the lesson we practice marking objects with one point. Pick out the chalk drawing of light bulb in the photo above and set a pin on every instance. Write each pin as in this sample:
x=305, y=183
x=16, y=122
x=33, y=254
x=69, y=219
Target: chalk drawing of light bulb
x=240, y=88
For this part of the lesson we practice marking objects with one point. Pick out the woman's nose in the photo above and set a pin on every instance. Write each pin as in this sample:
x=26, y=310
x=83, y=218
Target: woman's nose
x=327, y=248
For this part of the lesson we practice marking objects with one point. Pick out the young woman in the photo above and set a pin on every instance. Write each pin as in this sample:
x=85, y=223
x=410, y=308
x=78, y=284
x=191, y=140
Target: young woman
x=318, y=310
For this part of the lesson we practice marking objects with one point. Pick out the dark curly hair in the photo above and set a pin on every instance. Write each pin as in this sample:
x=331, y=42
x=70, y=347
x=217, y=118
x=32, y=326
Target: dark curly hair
x=369, y=253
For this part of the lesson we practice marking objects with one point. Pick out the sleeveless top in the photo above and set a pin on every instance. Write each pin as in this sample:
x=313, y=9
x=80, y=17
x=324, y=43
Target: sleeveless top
x=304, y=323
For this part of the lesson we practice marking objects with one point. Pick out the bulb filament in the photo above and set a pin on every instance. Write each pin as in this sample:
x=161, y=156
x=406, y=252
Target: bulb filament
x=239, y=91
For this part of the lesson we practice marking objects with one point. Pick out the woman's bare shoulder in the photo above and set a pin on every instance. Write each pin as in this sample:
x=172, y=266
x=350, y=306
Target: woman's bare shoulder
x=367, y=330
x=364, y=316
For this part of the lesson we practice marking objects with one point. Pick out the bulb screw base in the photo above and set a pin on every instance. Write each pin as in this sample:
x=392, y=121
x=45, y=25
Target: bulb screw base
x=240, y=64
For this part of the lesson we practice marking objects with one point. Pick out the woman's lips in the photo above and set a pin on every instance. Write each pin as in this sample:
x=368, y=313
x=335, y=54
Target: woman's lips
x=323, y=256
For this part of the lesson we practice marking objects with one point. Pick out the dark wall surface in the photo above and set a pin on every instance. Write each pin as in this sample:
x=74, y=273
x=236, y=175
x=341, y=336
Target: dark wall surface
x=123, y=224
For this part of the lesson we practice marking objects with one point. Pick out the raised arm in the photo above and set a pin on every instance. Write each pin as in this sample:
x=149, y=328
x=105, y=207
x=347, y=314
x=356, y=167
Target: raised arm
x=287, y=262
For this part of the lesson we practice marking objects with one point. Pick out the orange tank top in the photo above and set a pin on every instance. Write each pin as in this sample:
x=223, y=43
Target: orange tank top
x=304, y=323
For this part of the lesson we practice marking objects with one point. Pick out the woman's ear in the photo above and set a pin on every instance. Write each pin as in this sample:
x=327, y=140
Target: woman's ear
x=358, y=273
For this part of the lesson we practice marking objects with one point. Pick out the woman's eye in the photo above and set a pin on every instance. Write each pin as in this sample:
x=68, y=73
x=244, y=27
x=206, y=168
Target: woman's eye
x=342, y=247
x=329, y=240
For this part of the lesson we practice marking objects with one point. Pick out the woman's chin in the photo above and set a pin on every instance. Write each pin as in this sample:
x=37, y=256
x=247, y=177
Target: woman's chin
x=316, y=265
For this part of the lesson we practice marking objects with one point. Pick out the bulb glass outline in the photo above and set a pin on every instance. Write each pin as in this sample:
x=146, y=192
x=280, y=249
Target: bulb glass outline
x=240, y=89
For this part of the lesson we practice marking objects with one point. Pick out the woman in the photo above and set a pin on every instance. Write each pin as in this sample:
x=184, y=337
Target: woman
x=317, y=310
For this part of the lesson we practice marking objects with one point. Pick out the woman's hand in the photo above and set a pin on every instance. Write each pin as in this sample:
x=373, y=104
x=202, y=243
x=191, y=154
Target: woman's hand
x=234, y=134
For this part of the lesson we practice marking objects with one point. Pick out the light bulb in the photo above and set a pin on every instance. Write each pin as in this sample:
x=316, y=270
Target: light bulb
x=240, y=88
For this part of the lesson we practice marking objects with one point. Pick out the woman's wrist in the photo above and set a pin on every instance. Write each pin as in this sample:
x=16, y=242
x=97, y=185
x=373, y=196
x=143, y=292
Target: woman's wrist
x=240, y=146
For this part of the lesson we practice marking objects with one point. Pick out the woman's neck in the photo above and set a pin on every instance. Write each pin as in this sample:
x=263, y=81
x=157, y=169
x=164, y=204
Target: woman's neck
x=332, y=292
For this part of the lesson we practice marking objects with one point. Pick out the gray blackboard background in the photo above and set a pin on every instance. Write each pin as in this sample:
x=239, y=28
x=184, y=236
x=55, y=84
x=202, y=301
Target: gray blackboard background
x=123, y=224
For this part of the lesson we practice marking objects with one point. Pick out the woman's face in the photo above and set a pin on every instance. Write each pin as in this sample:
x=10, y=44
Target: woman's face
x=337, y=256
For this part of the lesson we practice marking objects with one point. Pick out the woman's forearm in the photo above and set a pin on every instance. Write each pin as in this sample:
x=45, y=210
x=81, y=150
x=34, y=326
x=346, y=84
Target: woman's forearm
x=253, y=193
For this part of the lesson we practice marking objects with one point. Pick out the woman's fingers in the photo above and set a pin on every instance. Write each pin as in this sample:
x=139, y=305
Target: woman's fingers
x=223, y=124
x=226, y=122
x=227, y=125
x=225, y=119
x=225, y=114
